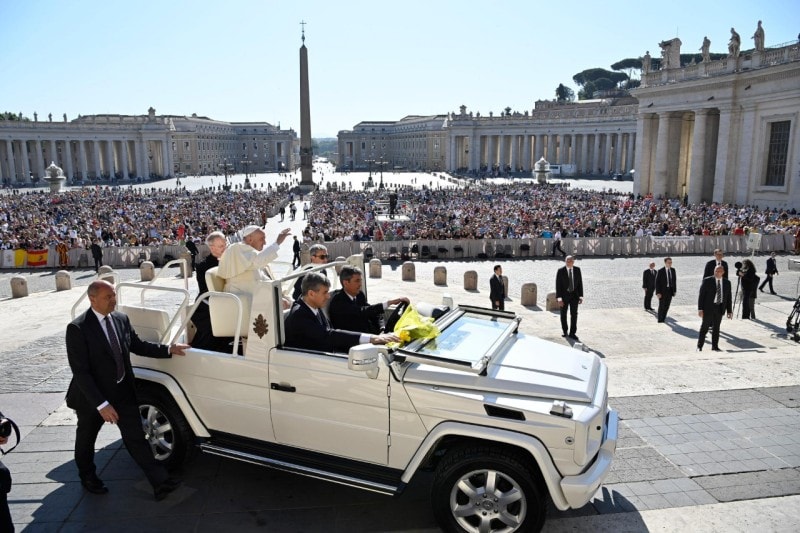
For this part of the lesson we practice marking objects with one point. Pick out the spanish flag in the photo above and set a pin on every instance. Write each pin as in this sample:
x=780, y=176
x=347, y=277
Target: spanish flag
x=37, y=258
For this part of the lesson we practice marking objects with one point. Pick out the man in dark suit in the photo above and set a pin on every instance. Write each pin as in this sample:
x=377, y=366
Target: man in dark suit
x=97, y=254
x=714, y=301
x=772, y=270
x=497, y=289
x=666, y=287
x=307, y=327
x=649, y=286
x=204, y=338
x=349, y=308
x=708, y=271
x=99, y=344
x=569, y=293
x=318, y=255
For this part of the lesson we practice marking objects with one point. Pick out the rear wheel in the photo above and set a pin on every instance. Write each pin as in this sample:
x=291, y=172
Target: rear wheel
x=165, y=428
x=486, y=489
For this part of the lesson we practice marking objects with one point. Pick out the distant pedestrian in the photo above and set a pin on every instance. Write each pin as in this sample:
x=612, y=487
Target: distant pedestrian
x=569, y=293
x=557, y=244
x=282, y=211
x=97, y=254
x=305, y=210
x=649, y=286
x=292, y=210
x=62, y=250
x=714, y=263
x=193, y=251
x=772, y=270
x=714, y=301
x=497, y=290
x=296, y=252
x=666, y=287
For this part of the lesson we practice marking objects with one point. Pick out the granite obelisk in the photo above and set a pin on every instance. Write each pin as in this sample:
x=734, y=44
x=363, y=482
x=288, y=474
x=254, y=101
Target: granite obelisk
x=306, y=182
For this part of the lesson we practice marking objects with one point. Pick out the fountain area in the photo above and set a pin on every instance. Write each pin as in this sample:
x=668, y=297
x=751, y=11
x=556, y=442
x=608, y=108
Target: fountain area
x=55, y=177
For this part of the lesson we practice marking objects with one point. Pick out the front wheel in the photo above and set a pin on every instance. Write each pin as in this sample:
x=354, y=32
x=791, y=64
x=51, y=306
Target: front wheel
x=486, y=489
x=165, y=428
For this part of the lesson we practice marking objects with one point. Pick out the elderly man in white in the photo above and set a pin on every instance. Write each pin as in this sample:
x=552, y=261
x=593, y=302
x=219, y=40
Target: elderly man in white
x=246, y=263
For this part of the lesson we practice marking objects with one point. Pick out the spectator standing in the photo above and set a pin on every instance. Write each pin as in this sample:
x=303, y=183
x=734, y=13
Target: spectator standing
x=666, y=287
x=649, y=286
x=497, y=292
x=749, y=279
x=557, y=244
x=713, y=301
x=569, y=293
x=97, y=254
x=318, y=255
x=772, y=270
x=296, y=252
x=714, y=263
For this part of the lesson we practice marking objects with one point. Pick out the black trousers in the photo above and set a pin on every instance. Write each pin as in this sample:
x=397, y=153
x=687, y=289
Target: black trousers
x=749, y=304
x=6, y=525
x=711, y=319
x=570, y=304
x=663, y=306
x=648, y=298
x=768, y=279
x=130, y=427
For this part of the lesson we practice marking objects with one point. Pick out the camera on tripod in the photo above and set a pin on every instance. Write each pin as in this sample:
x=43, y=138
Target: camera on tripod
x=6, y=426
x=793, y=322
x=738, y=266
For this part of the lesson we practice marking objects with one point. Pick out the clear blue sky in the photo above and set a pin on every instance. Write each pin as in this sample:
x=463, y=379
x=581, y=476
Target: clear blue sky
x=237, y=60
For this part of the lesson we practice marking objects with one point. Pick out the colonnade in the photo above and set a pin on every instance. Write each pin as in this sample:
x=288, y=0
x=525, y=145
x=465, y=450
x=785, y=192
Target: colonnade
x=681, y=154
x=23, y=160
x=590, y=153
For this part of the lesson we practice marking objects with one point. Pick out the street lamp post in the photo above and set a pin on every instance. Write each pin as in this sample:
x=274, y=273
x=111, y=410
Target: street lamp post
x=369, y=179
x=246, y=165
x=382, y=163
x=226, y=167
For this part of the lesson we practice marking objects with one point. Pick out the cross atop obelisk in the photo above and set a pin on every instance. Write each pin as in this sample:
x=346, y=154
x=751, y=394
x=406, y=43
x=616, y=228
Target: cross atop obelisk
x=306, y=181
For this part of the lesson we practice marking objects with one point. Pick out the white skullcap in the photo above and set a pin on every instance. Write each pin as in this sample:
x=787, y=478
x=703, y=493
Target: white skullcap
x=247, y=230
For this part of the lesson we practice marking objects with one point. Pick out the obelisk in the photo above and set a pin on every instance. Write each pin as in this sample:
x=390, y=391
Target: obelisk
x=305, y=119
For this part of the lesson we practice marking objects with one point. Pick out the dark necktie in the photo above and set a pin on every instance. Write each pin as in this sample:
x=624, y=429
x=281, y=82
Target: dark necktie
x=571, y=282
x=719, y=292
x=321, y=319
x=668, y=278
x=115, y=348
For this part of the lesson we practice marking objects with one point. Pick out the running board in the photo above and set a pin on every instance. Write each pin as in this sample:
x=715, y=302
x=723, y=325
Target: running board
x=380, y=488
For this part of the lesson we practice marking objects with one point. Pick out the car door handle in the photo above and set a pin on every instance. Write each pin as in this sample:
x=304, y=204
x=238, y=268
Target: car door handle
x=284, y=388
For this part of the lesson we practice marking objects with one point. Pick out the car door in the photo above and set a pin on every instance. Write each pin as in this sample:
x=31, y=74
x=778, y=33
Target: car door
x=318, y=404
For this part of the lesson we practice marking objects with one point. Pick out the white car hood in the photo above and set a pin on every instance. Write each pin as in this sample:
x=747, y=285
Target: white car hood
x=526, y=366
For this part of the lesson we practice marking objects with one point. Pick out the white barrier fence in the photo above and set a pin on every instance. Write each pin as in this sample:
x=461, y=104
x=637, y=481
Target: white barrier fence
x=131, y=256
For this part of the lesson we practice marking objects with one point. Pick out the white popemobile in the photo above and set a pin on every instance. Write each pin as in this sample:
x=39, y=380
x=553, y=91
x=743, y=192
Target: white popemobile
x=503, y=419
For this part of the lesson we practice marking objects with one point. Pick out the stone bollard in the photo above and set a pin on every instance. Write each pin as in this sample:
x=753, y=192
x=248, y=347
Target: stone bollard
x=529, y=294
x=338, y=268
x=409, y=273
x=186, y=266
x=447, y=300
x=19, y=287
x=470, y=280
x=440, y=276
x=375, y=268
x=63, y=281
x=552, y=302
x=147, y=271
x=104, y=273
x=505, y=285
x=305, y=255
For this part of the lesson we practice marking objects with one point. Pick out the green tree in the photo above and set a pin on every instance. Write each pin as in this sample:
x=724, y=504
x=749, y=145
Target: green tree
x=564, y=93
x=587, y=91
x=7, y=115
x=629, y=65
x=594, y=74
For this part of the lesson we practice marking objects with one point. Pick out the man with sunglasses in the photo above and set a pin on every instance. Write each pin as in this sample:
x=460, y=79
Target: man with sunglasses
x=319, y=256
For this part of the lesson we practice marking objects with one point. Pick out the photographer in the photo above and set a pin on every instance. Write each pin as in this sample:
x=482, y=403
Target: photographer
x=6, y=426
x=749, y=280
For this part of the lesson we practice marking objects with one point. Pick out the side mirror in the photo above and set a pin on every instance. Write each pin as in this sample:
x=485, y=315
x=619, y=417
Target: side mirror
x=364, y=358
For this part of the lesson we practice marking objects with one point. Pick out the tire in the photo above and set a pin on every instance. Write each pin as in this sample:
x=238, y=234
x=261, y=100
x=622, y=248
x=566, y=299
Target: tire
x=484, y=488
x=165, y=428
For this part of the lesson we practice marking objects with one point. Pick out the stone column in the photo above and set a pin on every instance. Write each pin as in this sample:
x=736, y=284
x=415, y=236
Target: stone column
x=618, y=153
x=662, y=165
x=595, y=154
x=96, y=159
x=515, y=152
x=54, y=153
x=12, y=165
x=502, y=148
x=26, y=169
x=629, y=153
x=551, y=148
x=68, y=167
x=37, y=144
x=165, y=163
x=698, y=164
x=110, y=158
x=723, y=142
x=452, y=161
x=526, y=152
x=584, y=153
x=491, y=151
x=82, y=164
x=124, y=158
x=539, y=147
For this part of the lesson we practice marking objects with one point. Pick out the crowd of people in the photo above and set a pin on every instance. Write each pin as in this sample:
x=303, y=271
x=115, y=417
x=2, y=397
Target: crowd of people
x=128, y=216
x=525, y=211
x=151, y=217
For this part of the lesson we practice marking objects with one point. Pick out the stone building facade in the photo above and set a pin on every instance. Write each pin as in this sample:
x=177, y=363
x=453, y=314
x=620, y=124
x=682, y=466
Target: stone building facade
x=140, y=146
x=723, y=131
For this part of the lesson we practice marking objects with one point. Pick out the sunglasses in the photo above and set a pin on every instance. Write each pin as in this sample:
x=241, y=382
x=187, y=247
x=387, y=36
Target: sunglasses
x=322, y=256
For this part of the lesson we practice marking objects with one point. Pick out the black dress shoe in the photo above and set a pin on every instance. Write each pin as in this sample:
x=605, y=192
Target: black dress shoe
x=699, y=348
x=715, y=349
x=564, y=334
x=165, y=488
x=95, y=486
x=573, y=337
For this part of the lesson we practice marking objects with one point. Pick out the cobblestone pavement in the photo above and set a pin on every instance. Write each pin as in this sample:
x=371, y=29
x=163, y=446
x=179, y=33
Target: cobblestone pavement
x=706, y=437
